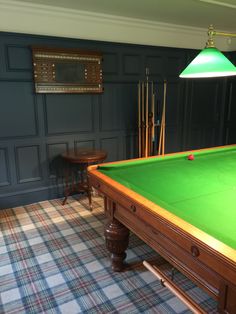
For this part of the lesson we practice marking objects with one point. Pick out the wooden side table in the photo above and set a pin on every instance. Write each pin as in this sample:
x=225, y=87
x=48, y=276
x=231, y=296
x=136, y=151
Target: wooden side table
x=77, y=163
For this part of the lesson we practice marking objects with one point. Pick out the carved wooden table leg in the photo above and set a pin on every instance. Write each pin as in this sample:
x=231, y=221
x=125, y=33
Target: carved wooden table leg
x=117, y=240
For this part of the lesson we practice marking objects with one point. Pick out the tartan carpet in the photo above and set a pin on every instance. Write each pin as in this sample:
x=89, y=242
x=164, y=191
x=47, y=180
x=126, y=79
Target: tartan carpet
x=53, y=260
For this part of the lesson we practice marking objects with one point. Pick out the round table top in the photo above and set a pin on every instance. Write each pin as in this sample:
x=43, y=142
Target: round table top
x=85, y=155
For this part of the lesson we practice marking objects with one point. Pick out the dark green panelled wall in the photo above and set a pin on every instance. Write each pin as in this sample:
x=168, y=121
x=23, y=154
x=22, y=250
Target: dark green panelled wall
x=36, y=128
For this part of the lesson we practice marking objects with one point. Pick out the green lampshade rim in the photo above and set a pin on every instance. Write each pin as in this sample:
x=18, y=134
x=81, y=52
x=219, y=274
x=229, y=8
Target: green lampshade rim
x=210, y=62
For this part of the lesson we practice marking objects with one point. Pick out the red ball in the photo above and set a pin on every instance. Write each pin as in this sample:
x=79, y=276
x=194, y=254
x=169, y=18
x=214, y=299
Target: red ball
x=191, y=157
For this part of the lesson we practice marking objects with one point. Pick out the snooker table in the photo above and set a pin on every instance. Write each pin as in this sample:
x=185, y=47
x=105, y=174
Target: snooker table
x=184, y=209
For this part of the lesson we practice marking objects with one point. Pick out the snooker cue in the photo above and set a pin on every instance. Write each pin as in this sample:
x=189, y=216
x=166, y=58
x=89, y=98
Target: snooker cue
x=161, y=148
x=153, y=126
x=166, y=282
x=139, y=121
x=160, y=139
x=146, y=139
x=143, y=123
x=161, y=133
x=164, y=120
x=153, y=114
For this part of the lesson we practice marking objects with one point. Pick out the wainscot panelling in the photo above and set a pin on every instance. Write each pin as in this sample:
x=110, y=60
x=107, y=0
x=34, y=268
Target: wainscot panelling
x=131, y=145
x=204, y=113
x=230, y=100
x=69, y=113
x=35, y=129
x=18, y=115
x=18, y=58
x=110, y=64
x=132, y=65
x=112, y=146
x=84, y=144
x=55, y=162
x=28, y=163
x=4, y=167
x=118, y=108
x=155, y=65
x=230, y=120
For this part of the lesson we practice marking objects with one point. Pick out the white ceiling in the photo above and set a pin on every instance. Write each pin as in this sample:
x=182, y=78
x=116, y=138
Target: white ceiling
x=194, y=13
x=168, y=23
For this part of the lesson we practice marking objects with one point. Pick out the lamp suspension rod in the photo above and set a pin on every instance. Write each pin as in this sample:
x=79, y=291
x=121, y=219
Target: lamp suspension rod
x=224, y=34
x=212, y=32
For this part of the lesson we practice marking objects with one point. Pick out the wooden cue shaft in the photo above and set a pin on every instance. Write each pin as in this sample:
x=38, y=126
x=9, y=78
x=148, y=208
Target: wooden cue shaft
x=160, y=139
x=146, y=142
x=153, y=114
x=163, y=137
x=153, y=125
x=164, y=119
x=162, y=130
x=139, y=120
x=143, y=123
x=175, y=289
x=153, y=104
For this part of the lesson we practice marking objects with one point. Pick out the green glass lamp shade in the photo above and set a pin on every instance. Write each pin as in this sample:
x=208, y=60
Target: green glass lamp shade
x=210, y=62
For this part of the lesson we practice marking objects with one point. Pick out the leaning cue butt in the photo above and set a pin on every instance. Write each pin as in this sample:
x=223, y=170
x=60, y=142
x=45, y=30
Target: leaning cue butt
x=190, y=303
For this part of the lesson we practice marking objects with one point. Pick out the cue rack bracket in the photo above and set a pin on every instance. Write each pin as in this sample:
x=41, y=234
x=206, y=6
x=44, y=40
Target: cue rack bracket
x=148, y=119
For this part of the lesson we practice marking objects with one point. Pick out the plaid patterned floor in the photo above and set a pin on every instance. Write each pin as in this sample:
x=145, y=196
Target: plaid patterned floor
x=53, y=260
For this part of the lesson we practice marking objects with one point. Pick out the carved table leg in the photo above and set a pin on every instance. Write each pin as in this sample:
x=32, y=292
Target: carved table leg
x=117, y=240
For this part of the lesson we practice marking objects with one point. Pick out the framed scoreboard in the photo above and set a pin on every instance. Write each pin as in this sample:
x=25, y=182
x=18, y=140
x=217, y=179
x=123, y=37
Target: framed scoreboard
x=58, y=70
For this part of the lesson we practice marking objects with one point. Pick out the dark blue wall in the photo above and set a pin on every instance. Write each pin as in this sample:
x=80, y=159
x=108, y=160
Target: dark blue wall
x=36, y=128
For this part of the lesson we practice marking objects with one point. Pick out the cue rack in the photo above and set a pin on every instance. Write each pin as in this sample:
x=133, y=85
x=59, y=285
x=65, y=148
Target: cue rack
x=148, y=119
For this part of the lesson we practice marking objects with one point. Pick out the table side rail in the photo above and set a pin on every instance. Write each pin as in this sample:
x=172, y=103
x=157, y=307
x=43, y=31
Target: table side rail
x=171, y=251
x=211, y=258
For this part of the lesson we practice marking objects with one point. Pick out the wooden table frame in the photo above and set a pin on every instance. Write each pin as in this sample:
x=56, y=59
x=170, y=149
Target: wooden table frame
x=208, y=262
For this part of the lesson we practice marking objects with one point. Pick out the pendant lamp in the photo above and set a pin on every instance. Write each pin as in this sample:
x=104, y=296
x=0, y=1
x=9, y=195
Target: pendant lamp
x=210, y=62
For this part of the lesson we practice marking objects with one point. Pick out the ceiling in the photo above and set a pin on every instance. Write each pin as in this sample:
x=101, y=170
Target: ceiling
x=193, y=13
